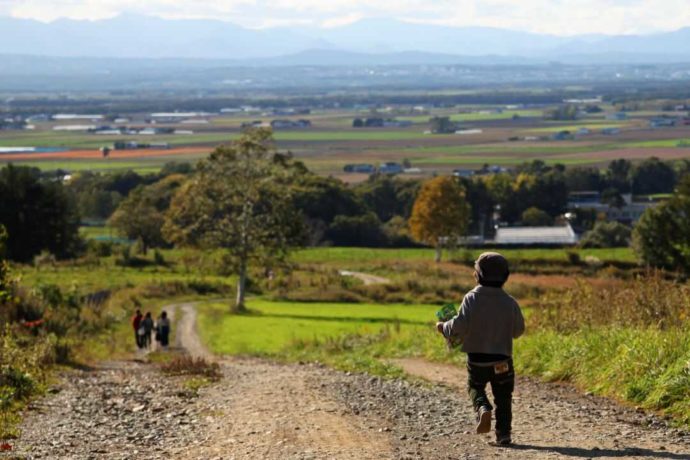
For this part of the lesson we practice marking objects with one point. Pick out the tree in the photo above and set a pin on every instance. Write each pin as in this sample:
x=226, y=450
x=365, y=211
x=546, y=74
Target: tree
x=239, y=200
x=388, y=196
x=653, y=176
x=442, y=125
x=579, y=179
x=563, y=112
x=535, y=217
x=661, y=237
x=618, y=174
x=440, y=214
x=607, y=235
x=363, y=230
x=38, y=215
x=142, y=214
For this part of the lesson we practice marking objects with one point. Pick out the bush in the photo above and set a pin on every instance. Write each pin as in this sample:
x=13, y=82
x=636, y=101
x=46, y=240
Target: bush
x=99, y=248
x=364, y=230
x=535, y=217
x=607, y=235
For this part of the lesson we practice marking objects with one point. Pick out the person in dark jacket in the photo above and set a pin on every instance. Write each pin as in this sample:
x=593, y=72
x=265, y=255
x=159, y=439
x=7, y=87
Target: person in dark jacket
x=163, y=329
x=136, y=324
x=147, y=324
x=486, y=324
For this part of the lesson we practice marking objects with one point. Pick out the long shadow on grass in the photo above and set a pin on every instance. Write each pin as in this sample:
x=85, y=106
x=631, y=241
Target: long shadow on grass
x=580, y=452
x=347, y=319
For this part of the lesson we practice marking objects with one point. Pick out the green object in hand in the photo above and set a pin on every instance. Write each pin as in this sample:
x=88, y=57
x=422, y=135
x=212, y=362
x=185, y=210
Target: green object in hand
x=446, y=312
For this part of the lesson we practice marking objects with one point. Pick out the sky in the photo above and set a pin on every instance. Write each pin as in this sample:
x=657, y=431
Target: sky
x=558, y=17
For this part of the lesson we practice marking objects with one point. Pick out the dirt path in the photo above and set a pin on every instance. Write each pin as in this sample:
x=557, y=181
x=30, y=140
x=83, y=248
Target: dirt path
x=266, y=410
x=186, y=336
x=366, y=278
x=555, y=420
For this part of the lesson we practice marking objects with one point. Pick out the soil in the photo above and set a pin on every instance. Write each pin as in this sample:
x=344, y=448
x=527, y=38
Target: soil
x=266, y=410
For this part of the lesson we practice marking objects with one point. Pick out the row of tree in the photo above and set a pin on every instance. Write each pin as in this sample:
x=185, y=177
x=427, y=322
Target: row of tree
x=248, y=197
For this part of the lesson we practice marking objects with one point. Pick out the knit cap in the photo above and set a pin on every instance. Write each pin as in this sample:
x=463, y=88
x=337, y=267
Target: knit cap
x=492, y=267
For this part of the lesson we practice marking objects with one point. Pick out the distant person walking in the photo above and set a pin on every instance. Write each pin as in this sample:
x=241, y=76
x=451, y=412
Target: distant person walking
x=486, y=324
x=147, y=324
x=136, y=324
x=163, y=329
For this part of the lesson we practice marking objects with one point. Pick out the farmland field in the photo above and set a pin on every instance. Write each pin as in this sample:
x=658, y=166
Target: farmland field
x=332, y=142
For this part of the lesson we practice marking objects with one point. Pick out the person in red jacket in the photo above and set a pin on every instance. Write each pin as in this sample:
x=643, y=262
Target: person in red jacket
x=136, y=324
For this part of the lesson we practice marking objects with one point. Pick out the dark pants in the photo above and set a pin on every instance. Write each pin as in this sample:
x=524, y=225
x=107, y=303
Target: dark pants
x=138, y=339
x=502, y=385
x=164, y=335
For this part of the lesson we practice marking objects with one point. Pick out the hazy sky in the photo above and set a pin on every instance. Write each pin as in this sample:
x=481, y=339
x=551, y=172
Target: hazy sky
x=561, y=17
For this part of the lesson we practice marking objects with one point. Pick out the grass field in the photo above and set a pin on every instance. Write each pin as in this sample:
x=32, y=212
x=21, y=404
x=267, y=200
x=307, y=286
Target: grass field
x=345, y=256
x=271, y=327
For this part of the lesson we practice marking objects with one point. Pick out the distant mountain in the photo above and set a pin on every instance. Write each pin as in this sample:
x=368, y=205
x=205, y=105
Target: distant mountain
x=393, y=41
x=335, y=57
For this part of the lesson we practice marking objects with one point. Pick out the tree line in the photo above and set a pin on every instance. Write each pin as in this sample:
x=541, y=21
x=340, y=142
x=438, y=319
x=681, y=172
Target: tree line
x=268, y=189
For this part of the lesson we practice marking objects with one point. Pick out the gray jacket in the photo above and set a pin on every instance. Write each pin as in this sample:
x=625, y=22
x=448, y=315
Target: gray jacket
x=487, y=322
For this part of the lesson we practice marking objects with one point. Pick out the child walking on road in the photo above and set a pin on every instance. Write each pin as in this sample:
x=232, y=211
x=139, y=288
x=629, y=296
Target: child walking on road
x=486, y=324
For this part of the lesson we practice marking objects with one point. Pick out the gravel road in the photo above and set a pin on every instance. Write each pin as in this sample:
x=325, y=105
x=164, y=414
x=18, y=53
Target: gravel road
x=266, y=410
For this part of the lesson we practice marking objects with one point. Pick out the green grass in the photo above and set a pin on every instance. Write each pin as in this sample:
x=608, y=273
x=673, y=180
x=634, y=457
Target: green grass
x=356, y=135
x=106, y=275
x=92, y=141
x=498, y=160
x=476, y=116
x=141, y=167
x=346, y=256
x=594, y=126
x=647, y=367
x=662, y=143
x=273, y=327
x=97, y=232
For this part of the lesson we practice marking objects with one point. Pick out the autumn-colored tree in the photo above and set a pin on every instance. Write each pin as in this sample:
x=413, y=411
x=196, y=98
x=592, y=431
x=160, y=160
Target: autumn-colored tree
x=239, y=200
x=440, y=214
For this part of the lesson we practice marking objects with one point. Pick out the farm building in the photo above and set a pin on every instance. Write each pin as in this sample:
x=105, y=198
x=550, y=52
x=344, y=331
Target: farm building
x=663, y=122
x=290, y=124
x=629, y=213
x=610, y=131
x=390, y=168
x=618, y=116
x=562, y=136
x=536, y=236
x=360, y=168
x=463, y=172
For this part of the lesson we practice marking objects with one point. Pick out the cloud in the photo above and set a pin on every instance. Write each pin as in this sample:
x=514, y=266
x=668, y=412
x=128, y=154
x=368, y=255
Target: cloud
x=559, y=17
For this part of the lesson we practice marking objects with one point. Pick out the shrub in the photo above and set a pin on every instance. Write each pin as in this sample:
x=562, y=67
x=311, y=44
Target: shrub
x=99, y=248
x=607, y=235
x=648, y=300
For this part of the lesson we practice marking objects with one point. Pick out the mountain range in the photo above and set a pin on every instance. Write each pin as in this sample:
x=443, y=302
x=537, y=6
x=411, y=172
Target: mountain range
x=364, y=41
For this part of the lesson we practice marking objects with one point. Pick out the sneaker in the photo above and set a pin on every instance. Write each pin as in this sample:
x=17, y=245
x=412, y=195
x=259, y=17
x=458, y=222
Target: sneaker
x=483, y=420
x=503, y=439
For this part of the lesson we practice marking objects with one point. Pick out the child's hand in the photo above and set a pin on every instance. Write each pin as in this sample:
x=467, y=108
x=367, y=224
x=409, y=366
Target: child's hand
x=439, y=327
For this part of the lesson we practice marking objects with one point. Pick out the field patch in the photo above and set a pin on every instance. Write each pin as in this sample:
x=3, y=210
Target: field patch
x=272, y=327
